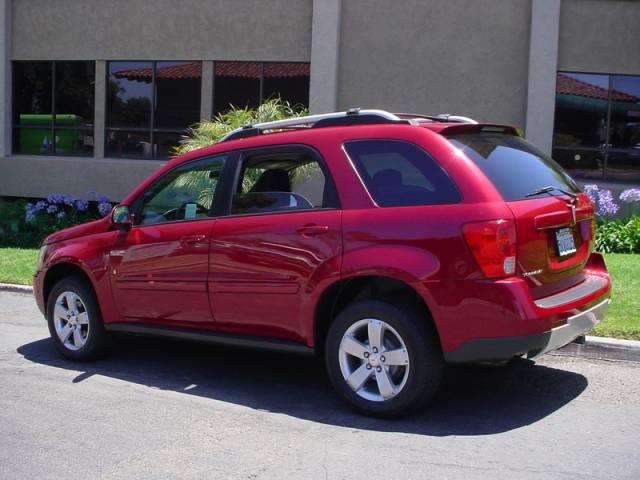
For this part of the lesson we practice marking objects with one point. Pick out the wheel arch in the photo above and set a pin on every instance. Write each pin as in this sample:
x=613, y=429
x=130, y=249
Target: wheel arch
x=381, y=287
x=61, y=270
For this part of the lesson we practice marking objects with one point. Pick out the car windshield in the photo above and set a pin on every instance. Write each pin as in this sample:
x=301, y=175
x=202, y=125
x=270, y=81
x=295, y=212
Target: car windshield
x=515, y=167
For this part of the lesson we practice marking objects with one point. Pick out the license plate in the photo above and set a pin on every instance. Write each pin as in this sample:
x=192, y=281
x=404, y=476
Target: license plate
x=565, y=242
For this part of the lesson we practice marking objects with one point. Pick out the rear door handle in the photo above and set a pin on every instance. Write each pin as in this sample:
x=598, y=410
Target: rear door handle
x=310, y=230
x=192, y=239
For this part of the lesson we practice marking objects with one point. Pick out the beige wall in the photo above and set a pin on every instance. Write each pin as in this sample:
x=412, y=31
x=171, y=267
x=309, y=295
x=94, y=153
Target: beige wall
x=600, y=36
x=468, y=57
x=39, y=176
x=162, y=29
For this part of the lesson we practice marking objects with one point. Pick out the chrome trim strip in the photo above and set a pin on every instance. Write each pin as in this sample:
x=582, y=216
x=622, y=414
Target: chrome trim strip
x=576, y=325
x=592, y=284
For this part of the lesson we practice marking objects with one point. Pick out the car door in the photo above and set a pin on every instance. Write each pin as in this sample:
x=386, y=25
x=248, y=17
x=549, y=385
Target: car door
x=279, y=243
x=159, y=267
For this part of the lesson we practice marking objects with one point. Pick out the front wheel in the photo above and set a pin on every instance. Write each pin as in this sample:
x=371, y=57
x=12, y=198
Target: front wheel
x=74, y=319
x=384, y=360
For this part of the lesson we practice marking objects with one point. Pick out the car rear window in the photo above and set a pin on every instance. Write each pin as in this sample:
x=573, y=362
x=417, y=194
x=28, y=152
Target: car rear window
x=398, y=173
x=515, y=167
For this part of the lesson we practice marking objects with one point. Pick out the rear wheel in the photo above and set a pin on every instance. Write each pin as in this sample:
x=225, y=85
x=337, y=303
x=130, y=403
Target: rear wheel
x=74, y=319
x=384, y=360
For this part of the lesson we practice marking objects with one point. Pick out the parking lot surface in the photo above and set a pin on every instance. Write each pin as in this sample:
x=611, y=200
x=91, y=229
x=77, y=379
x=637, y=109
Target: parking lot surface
x=161, y=409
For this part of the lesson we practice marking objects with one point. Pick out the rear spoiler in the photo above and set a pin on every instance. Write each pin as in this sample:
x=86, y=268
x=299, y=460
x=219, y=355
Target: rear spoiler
x=458, y=128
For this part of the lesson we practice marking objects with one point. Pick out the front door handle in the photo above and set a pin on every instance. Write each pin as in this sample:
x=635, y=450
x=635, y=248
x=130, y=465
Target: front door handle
x=310, y=230
x=190, y=240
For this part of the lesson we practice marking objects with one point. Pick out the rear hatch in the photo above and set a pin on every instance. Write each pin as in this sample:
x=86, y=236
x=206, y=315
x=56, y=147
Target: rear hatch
x=554, y=220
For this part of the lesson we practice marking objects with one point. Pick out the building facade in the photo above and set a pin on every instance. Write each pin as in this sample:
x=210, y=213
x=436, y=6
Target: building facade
x=95, y=93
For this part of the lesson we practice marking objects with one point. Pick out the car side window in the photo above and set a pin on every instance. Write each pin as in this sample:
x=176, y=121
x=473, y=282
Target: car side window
x=281, y=182
x=185, y=193
x=398, y=173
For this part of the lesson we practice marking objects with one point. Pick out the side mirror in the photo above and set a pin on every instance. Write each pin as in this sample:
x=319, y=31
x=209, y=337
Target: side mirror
x=121, y=216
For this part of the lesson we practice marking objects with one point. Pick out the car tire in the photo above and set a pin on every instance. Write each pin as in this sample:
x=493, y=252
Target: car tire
x=382, y=385
x=74, y=319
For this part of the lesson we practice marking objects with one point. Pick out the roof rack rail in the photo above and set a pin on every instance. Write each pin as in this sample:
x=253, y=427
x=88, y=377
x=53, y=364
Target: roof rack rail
x=447, y=117
x=354, y=116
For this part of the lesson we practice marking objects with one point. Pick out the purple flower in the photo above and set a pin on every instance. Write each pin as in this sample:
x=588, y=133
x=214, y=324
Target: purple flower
x=52, y=209
x=81, y=205
x=41, y=205
x=104, y=208
x=61, y=215
x=103, y=199
x=631, y=195
x=606, y=204
x=592, y=193
x=29, y=212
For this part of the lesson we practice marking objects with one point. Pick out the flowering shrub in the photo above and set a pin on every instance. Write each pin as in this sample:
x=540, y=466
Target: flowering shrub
x=603, y=201
x=27, y=224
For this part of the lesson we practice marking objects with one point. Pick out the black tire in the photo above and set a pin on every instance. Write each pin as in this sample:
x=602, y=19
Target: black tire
x=96, y=337
x=423, y=350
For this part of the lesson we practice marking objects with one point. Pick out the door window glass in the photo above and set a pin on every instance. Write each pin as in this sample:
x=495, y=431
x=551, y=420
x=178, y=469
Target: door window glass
x=282, y=182
x=187, y=192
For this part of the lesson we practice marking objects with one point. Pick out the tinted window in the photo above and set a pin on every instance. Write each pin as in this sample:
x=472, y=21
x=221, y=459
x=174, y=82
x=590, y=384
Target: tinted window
x=398, y=173
x=185, y=193
x=515, y=167
x=53, y=107
x=247, y=84
x=282, y=182
x=149, y=106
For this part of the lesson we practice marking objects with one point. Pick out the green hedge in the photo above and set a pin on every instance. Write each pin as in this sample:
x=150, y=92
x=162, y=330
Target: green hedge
x=618, y=236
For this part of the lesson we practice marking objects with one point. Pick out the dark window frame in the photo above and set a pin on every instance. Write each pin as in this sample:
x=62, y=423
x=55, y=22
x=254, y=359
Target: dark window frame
x=261, y=96
x=154, y=103
x=606, y=148
x=16, y=126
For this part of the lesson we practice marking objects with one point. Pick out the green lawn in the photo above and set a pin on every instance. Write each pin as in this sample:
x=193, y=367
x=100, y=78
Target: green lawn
x=623, y=318
x=17, y=265
x=622, y=321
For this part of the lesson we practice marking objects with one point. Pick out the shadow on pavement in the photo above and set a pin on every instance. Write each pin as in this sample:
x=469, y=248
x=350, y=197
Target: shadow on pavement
x=473, y=400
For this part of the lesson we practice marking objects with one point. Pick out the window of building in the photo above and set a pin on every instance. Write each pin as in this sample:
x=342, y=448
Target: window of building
x=149, y=106
x=398, y=173
x=53, y=108
x=597, y=125
x=247, y=84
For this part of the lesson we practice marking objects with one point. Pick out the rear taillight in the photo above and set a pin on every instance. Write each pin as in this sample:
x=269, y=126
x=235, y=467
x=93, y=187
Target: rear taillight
x=493, y=244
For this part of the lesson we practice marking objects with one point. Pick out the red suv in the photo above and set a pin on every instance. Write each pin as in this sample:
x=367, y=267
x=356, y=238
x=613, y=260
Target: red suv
x=387, y=243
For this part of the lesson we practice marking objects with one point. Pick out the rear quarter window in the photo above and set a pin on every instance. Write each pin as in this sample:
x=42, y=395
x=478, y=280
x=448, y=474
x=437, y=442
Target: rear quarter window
x=398, y=173
x=515, y=167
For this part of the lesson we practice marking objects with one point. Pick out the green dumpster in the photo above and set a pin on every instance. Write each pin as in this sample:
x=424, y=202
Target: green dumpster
x=36, y=133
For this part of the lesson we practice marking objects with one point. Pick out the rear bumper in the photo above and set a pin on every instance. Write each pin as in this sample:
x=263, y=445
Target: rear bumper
x=504, y=348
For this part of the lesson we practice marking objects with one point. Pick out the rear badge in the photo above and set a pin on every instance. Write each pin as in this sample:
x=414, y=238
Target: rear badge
x=531, y=273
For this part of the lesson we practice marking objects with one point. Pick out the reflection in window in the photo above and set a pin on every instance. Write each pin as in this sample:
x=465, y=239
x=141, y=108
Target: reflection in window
x=149, y=106
x=247, y=84
x=53, y=108
x=597, y=125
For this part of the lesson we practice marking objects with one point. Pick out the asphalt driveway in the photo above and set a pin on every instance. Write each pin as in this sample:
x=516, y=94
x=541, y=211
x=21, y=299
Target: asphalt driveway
x=161, y=409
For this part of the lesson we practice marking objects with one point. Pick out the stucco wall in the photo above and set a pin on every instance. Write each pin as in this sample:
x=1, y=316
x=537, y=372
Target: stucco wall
x=162, y=29
x=468, y=57
x=41, y=176
x=600, y=36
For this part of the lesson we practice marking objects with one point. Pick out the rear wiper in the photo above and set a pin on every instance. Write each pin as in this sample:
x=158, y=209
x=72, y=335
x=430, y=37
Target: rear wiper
x=551, y=188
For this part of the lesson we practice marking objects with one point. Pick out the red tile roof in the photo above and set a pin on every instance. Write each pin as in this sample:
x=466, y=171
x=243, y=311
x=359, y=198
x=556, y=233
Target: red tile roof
x=572, y=86
x=225, y=69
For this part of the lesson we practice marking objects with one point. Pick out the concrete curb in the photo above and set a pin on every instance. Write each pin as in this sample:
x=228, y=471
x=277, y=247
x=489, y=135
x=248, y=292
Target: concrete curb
x=613, y=342
x=11, y=287
x=600, y=342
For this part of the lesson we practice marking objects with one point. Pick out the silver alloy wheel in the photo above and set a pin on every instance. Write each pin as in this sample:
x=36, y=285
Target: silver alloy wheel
x=374, y=360
x=71, y=320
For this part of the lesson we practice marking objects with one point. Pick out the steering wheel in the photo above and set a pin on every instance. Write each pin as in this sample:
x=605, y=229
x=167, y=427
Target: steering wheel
x=179, y=212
